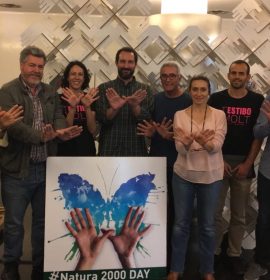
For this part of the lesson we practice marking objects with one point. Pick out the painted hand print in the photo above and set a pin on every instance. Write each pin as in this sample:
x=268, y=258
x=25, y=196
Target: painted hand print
x=112, y=209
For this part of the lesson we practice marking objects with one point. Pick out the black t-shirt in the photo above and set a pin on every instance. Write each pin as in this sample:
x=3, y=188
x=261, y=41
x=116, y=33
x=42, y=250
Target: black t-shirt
x=166, y=107
x=241, y=116
x=84, y=144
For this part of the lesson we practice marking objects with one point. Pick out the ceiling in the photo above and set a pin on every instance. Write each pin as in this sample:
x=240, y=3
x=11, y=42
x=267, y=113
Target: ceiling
x=220, y=7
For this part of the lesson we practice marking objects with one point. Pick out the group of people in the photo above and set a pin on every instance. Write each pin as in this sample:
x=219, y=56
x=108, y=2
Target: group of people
x=210, y=141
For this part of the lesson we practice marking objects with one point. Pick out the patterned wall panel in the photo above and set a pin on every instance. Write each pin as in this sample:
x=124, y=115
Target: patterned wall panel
x=92, y=31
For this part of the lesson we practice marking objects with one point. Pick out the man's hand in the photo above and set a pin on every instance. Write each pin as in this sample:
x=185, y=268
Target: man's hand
x=146, y=129
x=64, y=134
x=68, y=133
x=228, y=171
x=48, y=133
x=165, y=128
x=71, y=98
x=241, y=170
x=115, y=100
x=10, y=117
x=136, y=98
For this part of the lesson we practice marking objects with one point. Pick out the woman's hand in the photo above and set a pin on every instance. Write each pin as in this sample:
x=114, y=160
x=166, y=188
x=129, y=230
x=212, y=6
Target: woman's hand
x=204, y=136
x=185, y=138
x=71, y=98
x=89, y=98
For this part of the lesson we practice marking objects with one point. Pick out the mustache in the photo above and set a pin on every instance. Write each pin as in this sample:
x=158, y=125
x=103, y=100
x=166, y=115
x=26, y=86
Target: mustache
x=35, y=74
x=125, y=69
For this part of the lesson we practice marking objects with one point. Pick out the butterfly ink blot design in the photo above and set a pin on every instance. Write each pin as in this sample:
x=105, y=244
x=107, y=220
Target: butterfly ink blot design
x=110, y=213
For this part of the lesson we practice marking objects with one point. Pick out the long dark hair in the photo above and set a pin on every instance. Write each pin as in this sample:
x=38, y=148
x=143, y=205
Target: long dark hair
x=65, y=83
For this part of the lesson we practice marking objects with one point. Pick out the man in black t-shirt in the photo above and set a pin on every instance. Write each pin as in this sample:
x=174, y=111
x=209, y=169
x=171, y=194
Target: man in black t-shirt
x=240, y=150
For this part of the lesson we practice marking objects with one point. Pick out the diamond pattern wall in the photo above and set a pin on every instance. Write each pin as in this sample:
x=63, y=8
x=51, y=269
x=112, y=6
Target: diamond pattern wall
x=92, y=31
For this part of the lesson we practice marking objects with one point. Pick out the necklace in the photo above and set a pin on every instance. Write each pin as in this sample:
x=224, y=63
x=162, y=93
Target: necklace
x=191, y=115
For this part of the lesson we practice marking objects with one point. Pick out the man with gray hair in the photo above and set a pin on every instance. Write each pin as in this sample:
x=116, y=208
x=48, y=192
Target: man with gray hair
x=23, y=162
x=166, y=103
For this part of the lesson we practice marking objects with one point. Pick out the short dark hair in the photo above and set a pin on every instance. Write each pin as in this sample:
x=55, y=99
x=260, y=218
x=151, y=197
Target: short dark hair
x=65, y=83
x=126, y=49
x=200, y=78
x=32, y=50
x=240, y=61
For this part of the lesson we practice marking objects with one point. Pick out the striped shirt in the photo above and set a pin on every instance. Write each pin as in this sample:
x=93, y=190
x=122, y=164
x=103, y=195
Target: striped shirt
x=38, y=152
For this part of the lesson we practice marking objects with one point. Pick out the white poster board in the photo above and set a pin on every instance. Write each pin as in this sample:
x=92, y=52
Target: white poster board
x=108, y=187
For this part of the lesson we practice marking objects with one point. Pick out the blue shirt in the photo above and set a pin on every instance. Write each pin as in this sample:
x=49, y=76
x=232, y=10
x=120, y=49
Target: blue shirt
x=166, y=107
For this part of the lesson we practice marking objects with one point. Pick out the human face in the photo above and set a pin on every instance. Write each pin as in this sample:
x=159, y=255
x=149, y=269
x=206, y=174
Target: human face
x=32, y=70
x=199, y=92
x=75, y=78
x=126, y=65
x=170, y=79
x=238, y=76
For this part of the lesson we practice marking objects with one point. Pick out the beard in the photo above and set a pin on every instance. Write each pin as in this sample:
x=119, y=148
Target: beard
x=125, y=73
x=32, y=79
x=238, y=85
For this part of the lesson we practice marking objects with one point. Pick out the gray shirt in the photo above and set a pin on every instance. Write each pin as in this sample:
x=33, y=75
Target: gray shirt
x=262, y=130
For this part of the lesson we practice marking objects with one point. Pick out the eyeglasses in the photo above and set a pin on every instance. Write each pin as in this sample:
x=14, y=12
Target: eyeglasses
x=165, y=77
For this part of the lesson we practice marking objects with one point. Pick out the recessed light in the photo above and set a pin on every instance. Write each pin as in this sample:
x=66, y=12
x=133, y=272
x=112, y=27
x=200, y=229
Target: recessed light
x=10, y=6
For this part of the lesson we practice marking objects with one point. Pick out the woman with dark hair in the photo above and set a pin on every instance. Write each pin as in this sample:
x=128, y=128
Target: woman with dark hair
x=199, y=133
x=78, y=110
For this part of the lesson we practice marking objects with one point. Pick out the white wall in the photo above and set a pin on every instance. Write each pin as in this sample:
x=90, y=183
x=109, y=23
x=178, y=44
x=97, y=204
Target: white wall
x=12, y=25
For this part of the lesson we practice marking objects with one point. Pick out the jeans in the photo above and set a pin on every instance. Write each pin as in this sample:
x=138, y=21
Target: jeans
x=17, y=194
x=239, y=195
x=184, y=194
x=262, y=251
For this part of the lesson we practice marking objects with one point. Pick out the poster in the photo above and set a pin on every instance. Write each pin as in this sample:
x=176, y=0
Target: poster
x=125, y=200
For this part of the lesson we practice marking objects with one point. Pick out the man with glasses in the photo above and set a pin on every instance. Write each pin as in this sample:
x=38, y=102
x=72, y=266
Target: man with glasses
x=166, y=103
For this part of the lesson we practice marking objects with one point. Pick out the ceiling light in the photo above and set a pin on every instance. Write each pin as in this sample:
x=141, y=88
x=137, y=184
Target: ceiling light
x=184, y=6
x=176, y=18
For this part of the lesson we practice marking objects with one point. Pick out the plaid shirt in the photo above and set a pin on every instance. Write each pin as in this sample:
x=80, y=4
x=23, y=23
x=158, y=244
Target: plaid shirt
x=38, y=152
x=118, y=137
